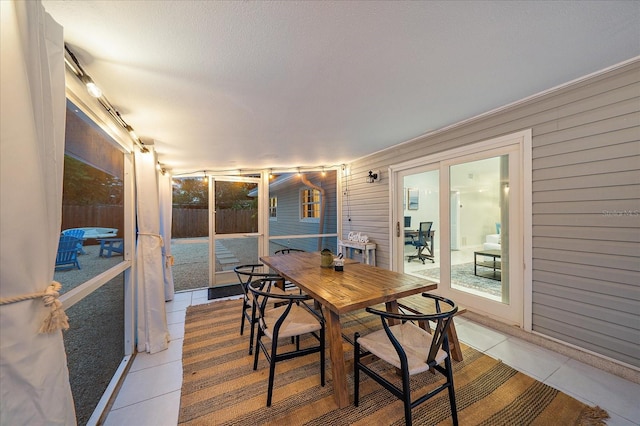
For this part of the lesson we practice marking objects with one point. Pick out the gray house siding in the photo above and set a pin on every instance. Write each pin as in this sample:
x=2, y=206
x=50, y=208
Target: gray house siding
x=288, y=220
x=586, y=204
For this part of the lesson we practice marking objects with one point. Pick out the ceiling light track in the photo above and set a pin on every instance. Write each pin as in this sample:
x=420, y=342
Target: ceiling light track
x=96, y=92
x=297, y=170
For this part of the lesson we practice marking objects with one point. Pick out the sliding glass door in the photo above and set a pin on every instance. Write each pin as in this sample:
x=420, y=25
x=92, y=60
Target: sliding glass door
x=420, y=221
x=473, y=247
x=479, y=221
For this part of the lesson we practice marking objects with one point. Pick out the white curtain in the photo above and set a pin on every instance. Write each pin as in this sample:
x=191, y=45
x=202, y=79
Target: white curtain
x=152, y=330
x=34, y=378
x=166, y=210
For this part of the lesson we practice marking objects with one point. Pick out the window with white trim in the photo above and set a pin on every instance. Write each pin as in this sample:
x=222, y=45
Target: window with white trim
x=310, y=205
x=273, y=208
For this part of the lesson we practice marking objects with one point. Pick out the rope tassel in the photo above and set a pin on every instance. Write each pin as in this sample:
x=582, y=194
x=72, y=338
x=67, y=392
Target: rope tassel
x=57, y=319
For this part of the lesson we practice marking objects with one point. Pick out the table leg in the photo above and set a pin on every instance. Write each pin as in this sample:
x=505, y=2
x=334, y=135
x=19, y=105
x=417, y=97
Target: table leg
x=475, y=264
x=338, y=368
x=392, y=306
x=454, y=343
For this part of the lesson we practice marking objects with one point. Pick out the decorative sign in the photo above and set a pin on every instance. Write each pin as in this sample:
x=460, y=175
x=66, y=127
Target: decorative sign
x=358, y=237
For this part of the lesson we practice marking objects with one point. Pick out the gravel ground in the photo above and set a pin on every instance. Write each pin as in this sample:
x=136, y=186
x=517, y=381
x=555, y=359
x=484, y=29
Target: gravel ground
x=190, y=269
x=94, y=343
x=91, y=265
x=191, y=263
x=95, y=340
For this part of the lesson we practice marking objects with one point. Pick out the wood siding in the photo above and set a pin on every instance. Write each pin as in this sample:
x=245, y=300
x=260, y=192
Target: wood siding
x=288, y=220
x=586, y=205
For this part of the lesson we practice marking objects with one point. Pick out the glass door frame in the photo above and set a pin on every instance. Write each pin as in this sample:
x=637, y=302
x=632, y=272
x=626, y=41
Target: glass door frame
x=228, y=277
x=518, y=146
x=399, y=199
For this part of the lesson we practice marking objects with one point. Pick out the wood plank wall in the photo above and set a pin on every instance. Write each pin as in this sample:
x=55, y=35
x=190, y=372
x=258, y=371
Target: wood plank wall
x=586, y=204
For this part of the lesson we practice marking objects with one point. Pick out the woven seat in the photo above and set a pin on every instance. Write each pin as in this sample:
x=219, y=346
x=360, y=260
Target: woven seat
x=412, y=350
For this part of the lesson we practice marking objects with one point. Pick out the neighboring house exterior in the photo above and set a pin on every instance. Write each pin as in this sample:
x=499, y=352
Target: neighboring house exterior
x=304, y=205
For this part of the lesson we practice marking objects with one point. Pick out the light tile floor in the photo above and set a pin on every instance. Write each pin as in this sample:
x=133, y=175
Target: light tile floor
x=150, y=394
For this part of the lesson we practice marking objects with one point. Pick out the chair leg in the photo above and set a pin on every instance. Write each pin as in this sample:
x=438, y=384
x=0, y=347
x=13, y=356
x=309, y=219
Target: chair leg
x=272, y=370
x=258, y=341
x=252, y=324
x=356, y=369
x=242, y=318
x=406, y=390
x=322, y=356
x=452, y=394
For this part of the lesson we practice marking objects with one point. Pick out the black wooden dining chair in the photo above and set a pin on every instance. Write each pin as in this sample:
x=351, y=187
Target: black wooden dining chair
x=287, y=250
x=246, y=274
x=410, y=349
x=290, y=318
x=288, y=285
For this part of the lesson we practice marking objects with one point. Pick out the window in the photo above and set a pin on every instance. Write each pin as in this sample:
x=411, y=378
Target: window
x=93, y=211
x=310, y=205
x=273, y=208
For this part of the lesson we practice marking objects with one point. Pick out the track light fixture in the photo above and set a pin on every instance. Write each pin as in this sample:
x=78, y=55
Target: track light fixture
x=92, y=87
x=94, y=90
x=131, y=132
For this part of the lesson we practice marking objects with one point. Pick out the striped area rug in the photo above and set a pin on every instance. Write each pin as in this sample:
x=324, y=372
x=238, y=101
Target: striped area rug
x=220, y=387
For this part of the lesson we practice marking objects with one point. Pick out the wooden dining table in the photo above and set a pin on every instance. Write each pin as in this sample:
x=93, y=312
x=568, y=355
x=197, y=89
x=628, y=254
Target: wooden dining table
x=356, y=287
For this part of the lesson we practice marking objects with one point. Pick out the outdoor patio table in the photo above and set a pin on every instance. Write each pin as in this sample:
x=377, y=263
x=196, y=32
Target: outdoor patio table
x=356, y=287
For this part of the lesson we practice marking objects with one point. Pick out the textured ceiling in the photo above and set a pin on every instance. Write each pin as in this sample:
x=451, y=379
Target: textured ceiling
x=232, y=85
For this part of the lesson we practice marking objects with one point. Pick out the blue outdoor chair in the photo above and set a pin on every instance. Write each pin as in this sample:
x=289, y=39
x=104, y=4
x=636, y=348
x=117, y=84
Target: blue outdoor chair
x=79, y=234
x=67, y=257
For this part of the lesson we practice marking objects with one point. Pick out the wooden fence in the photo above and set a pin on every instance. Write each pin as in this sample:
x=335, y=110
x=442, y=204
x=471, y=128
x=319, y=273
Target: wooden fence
x=102, y=216
x=190, y=223
x=186, y=223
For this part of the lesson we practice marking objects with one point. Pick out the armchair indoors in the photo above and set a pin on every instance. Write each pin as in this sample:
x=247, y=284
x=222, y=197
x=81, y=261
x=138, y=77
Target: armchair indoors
x=493, y=241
